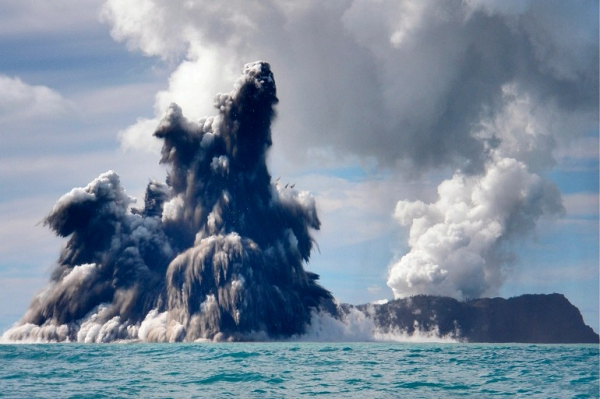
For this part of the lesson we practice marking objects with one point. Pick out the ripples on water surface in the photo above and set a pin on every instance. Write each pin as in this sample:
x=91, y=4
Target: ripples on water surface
x=289, y=370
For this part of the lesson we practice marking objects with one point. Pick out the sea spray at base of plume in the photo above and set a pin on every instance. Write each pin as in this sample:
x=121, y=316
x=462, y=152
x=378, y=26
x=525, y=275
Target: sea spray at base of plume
x=352, y=325
x=528, y=319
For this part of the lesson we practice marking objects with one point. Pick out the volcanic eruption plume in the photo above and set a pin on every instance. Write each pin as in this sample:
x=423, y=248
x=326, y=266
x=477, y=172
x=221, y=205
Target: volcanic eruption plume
x=217, y=251
x=488, y=98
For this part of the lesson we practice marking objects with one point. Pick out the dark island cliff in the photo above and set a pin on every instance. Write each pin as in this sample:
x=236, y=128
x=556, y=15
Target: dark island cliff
x=525, y=319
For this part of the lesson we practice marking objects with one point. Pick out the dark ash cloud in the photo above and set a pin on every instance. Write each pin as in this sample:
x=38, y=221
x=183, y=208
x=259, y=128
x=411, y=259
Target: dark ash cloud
x=217, y=252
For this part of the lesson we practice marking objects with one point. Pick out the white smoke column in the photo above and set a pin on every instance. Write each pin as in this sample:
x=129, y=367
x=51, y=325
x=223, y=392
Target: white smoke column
x=460, y=244
x=457, y=243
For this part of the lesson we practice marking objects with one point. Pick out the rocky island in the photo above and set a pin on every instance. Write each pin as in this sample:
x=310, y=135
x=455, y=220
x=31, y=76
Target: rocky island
x=524, y=319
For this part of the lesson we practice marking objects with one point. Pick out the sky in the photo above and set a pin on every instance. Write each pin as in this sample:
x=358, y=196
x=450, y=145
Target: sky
x=451, y=147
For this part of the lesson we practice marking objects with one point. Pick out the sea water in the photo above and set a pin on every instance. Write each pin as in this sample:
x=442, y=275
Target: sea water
x=294, y=370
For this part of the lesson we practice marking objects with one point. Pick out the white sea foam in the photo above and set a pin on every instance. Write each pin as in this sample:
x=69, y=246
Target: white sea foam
x=353, y=326
x=357, y=326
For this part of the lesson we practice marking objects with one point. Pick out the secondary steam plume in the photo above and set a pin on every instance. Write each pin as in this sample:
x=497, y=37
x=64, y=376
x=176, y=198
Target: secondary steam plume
x=460, y=245
x=457, y=244
x=217, y=252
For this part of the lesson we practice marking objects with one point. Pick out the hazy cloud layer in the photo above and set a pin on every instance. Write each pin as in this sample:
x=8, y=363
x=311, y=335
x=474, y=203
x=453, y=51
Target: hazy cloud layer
x=19, y=101
x=403, y=81
x=41, y=17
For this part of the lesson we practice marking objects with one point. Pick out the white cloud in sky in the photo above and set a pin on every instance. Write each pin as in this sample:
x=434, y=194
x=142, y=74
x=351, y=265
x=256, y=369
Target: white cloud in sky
x=20, y=17
x=19, y=101
x=351, y=212
x=580, y=149
x=136, y=137
x=582, y=204
x=107, y=101
x=21, y=232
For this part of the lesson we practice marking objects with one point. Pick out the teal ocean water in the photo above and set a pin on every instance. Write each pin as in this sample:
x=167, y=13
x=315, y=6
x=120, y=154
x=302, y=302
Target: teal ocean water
x=292, y=370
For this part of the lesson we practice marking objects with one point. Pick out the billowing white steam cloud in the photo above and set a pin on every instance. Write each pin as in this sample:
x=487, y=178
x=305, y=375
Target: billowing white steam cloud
x=489, y=89
x=402, y=81
x=457, y=243
x=460, y=244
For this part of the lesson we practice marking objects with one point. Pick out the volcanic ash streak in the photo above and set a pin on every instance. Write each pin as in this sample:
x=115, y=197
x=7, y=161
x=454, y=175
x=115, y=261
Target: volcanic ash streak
x=217, y=252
